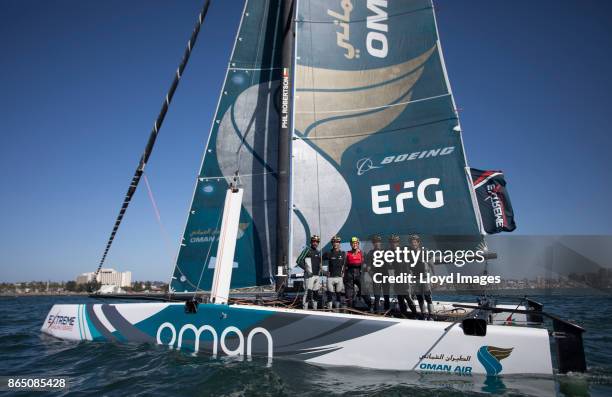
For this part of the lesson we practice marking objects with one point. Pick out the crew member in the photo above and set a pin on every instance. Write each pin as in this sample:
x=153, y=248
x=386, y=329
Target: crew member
x=387, y=270
x=310, y=261
x=336, y=262
x=404, y=291
x=371, y=271
x=421, y=270
x=354, y=261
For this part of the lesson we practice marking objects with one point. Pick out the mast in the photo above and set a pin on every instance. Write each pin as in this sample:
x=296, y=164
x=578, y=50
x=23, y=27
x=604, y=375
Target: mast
x=284, y=145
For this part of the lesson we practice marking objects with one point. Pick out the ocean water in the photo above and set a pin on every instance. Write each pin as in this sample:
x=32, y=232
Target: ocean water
x=141, y=370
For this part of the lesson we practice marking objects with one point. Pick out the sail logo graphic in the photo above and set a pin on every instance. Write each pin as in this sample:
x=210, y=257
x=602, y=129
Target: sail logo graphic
x=216, y=340
x=376, y=39
x=343, y=37
x=490, y=357
x=418, y=155
x=379, y=198
x=366, y=164
x=203, y=236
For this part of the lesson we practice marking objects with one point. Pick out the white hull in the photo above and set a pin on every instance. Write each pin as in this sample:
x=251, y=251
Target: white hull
x=316, y=337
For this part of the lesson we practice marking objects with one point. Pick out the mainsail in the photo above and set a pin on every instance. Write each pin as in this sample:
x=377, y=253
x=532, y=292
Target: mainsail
x=379, y=147
x=243, y=139
x=376, y=146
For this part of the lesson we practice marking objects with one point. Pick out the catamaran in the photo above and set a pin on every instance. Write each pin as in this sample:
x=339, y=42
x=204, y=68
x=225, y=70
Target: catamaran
x=336, y=117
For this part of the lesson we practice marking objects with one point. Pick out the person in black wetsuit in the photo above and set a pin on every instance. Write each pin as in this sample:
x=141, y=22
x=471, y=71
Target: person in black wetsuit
x=403, y=290
x=336, y=263
x=310, y=261
x=386, y=270
x=371, y=271
x=421, y=270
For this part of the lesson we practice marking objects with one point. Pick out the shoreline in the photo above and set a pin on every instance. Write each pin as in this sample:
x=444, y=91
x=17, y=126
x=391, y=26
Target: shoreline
x=67, y=294
x=435, y=291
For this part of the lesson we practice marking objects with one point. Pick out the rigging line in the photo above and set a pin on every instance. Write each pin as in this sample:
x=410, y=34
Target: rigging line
x=365, y=20
x=186, y=278
x=260, y=49
x=243, y=138
x=253, y=69
x=509, y=318
x=164, y=232
x=206, y=259
x=252, y=77
x=318, y=194
x=413, y=70
x=314, y=108
x=207, y=178
x=485, y=272
x=307, y=138
x=376, y=107
x=154, y=132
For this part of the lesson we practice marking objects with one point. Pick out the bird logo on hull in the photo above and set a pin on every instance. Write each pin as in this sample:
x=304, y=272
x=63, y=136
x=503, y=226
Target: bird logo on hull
x=490, y=357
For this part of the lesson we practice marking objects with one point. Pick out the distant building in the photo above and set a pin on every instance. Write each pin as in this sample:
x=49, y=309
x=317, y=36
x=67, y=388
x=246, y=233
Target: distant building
x=107, y=277
x=85, y=278
x=113, y=277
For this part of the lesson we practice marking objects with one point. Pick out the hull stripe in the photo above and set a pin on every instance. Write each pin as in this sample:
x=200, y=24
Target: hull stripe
x=98, y=324
x=125, y=328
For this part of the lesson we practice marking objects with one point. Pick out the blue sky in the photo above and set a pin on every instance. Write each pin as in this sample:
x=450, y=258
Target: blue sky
x=82, y=82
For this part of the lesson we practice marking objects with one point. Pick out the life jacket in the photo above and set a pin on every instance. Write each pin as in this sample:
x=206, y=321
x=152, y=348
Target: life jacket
x=335, y=260
x=315, y=259
x=354, y=259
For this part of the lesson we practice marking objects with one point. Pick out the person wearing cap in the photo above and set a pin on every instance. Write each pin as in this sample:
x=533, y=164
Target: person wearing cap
x=370, y=271
x=352, y=277
x=310, y=261
x=336, y=263
x=421, y=270
x=403, y=291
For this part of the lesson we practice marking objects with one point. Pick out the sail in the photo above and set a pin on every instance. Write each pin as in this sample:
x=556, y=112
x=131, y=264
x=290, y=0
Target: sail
x=378, y=146
x=243, y=138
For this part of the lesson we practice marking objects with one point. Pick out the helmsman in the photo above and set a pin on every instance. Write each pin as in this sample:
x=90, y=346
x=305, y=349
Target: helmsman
x=310, y=261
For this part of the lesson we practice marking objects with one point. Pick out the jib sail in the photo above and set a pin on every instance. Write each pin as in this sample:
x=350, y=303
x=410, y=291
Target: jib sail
x=243, y=139
x=379, y=147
